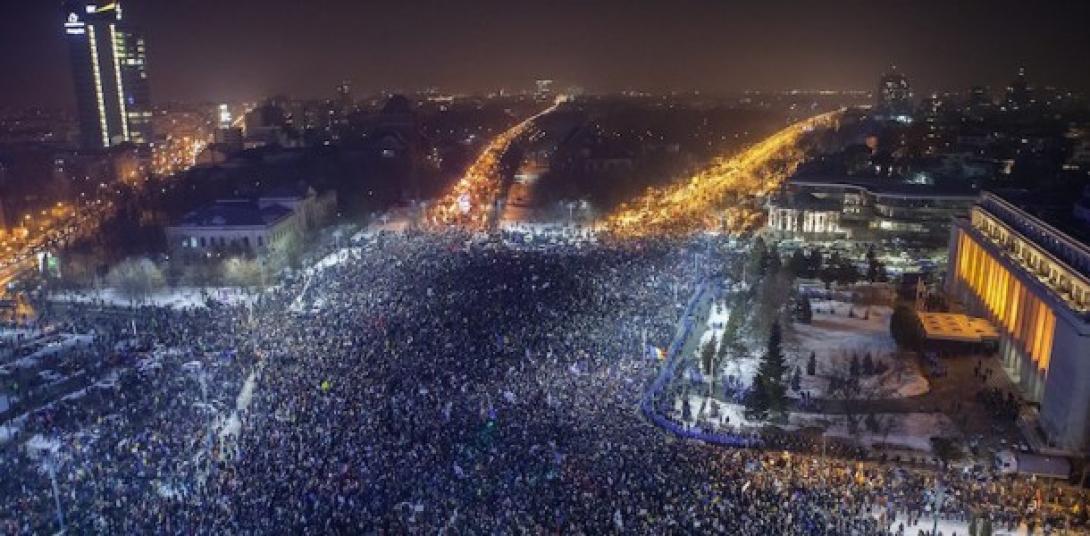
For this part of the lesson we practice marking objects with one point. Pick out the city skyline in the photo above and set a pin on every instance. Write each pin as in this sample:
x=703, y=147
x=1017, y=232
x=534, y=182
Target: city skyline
x=203, y=51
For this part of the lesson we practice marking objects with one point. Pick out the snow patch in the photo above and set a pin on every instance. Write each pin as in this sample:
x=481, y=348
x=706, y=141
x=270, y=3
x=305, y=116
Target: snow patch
x=176, y=298
x=336, y=258
x=912, y=431
x=834, y=338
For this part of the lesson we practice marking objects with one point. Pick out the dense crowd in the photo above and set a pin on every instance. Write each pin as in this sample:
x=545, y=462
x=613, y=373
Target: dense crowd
x=431, y=383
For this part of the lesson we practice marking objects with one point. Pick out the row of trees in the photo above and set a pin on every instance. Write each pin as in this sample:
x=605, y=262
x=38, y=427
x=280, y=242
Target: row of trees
x=137, y=278
x=765, y=259
x=774, y=304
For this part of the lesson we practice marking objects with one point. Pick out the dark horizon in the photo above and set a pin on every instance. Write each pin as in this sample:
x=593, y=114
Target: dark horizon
x=201, y=50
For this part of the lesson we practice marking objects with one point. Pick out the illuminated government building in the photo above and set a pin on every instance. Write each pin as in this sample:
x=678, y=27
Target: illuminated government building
x=1033, y=282
x=109, y=74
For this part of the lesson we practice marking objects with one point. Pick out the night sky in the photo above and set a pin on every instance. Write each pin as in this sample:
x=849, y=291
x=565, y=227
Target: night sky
x=217, y=50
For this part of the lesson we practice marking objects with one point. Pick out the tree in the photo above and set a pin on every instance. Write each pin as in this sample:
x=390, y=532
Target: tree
x=811, y=364
x=242, y=272
x=773, y=301
x=849, y=391
x=826, y=276
x=846, y=273
x=135, y=278
x=798, y=264
x=814, y=262
x=707, y=355
x=768, y=396
x=904, y=326
x=199, y=274
x=868, y=365
x=729, y=337
x=880, y=367
x=758, y=256
x=796, y=380
x=872, y=423
x=872, y=264
x=757, y=401
x=853, y=368
x=803, y=312
x=945, y=449
x=772, y=261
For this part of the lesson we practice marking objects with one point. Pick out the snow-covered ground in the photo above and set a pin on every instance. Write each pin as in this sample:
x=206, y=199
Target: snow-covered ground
x=953, y=528
x=394, y=221
x=40, y=443
x=338, y=257
x=550, y=230
x=912, y=431
x=741, y=368
x=5, y=402
x=230, y=426
x=834, y=337
x=49, y=346
x=179, y=297
x=9, y=429
x=11, y=334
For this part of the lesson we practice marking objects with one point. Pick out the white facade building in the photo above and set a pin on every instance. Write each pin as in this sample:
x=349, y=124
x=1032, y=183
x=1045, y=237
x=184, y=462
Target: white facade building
x=266, y=224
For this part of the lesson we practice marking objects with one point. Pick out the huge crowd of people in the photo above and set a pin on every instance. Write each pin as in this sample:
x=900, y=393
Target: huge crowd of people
x=434, y=383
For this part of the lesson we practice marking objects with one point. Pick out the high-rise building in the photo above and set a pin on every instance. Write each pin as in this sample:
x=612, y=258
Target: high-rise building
x=344, y=96
x=543, y=88
x=894, y=96
x=1019, y=96
x=109, y=74
x=979, y=103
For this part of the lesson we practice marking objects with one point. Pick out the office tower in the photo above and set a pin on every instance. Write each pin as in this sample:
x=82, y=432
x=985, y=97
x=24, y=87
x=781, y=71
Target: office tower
x=894, y=96
x=1019, y=96
x=109, y=74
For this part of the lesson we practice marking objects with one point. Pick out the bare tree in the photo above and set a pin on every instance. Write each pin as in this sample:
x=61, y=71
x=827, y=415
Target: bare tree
x=136, y=278
x=242, y=272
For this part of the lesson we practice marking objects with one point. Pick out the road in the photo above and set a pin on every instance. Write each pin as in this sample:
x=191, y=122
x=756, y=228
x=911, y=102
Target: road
x=715, y=196
x=471, y=203
x=57, y=233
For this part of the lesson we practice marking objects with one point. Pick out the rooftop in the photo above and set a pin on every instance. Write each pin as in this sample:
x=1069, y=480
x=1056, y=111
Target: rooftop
x=806, y=201
x=888, y=186
x=235, y=213
x=1060, y=234
x=956, y=327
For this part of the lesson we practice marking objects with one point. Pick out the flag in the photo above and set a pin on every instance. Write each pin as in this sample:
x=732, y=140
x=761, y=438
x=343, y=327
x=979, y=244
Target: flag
x=654, y=352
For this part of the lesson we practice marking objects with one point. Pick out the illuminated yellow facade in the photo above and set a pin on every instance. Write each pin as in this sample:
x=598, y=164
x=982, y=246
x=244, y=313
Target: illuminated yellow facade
x=1026, y=319
x=1032, y=282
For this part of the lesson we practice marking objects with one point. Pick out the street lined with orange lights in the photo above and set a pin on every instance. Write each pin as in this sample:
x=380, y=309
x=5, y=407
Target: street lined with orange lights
x=471, y=203
x=58, y=225
x=714, y=197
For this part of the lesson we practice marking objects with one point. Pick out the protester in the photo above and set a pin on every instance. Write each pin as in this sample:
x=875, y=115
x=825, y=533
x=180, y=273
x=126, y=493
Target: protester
x=435, y=383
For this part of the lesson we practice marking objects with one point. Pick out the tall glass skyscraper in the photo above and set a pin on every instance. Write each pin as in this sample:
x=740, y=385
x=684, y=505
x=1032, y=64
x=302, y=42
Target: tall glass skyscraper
x=109, y=74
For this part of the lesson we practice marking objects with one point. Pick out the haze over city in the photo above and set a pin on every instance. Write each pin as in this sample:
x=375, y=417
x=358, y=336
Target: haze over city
x=597, y=267
x=216, y=51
